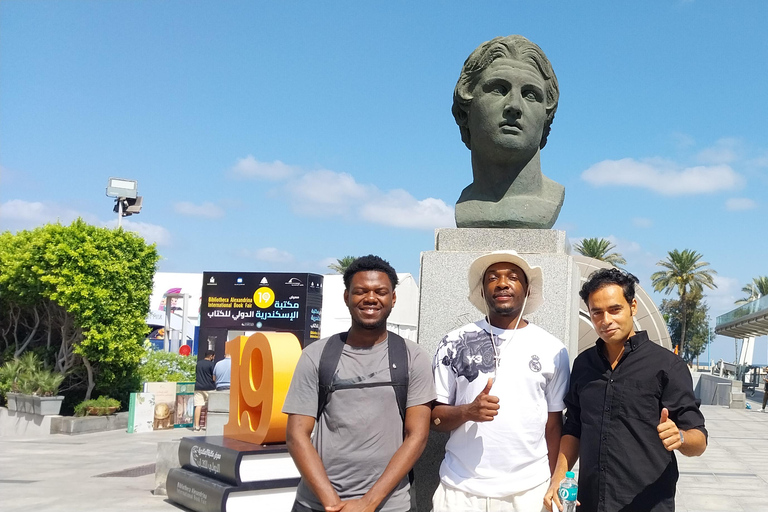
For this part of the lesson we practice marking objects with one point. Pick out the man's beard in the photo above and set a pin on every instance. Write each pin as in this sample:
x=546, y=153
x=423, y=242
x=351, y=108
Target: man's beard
x=372, y=326
x=506, y=310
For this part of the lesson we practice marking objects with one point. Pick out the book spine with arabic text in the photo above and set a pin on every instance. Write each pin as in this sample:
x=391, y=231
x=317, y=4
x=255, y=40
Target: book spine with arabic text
x=210, y=459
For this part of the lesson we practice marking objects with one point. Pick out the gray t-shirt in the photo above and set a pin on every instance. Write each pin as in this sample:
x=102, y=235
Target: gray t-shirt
x=360, y=429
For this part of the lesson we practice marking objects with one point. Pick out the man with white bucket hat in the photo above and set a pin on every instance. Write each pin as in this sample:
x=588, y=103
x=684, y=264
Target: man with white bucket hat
x=500, y=387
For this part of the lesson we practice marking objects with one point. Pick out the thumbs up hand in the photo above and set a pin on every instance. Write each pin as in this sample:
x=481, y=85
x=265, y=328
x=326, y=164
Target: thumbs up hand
x=668, y=432
x=485, y=406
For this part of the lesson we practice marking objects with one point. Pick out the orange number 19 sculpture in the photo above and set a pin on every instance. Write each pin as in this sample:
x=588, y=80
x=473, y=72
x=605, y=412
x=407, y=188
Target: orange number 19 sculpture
x=262, y=367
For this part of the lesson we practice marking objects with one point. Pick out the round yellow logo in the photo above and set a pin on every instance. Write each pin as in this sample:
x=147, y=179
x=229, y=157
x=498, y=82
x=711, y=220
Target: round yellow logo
x=264, y=297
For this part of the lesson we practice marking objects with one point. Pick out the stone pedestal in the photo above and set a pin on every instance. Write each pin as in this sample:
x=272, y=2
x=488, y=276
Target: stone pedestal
x=218, y=413
x=444, y=305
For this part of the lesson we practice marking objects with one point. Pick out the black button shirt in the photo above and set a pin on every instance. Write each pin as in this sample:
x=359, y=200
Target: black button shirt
x=624, y=466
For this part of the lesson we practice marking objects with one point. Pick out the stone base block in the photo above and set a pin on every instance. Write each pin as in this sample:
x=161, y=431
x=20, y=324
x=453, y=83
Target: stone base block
x=216, y=422
x=528, y=241
x=218, y=401
x=738, y=401
x=167, y=459
x=723, y=394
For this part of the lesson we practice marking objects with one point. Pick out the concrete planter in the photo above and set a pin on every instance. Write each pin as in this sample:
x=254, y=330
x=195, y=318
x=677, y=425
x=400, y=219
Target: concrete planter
x=24, y=403
x=73, y=425
x=11, y=399
x=47, y=405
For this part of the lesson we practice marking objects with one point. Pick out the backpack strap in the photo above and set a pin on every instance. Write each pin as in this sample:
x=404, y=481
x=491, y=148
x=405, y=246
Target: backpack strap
x=398, y=370
x=329, y=360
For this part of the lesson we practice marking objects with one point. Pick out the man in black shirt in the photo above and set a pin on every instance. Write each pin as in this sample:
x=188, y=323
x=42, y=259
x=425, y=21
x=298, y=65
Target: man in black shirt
x=630, y=406
x=203, y=384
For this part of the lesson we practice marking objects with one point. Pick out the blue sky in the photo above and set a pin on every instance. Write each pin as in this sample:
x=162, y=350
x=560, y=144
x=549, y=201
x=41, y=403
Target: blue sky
x=281, y=135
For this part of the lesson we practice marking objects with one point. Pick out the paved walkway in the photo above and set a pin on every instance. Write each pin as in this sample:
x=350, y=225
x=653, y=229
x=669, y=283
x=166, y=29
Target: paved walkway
x=62, y=473
x=732, y=475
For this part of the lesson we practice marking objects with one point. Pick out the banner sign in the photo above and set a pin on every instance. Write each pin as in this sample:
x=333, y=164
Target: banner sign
x=263, y=301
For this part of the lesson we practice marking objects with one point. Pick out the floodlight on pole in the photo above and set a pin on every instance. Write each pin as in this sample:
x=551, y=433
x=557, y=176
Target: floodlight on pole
x=127, y=200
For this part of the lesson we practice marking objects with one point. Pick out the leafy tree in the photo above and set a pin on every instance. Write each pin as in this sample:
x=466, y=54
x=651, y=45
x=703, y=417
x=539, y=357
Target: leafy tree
x=754, y=290
x=600, y=249
x=684, y=273
x=697, y=321
x=342, y=264
x=79, y=295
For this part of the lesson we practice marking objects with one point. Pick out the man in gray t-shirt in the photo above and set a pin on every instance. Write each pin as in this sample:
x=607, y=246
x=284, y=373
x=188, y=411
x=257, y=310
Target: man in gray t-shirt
x=362, y=451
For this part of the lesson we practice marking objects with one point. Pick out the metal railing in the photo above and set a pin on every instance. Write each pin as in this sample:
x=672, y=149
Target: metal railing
x=744, y=310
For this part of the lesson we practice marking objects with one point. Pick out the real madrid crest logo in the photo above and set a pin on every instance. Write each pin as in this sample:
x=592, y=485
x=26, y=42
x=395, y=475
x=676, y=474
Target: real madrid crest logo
x=534, y=364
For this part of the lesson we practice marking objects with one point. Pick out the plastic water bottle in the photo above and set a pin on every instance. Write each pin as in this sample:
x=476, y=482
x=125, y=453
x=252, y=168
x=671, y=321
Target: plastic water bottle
x=567, y=492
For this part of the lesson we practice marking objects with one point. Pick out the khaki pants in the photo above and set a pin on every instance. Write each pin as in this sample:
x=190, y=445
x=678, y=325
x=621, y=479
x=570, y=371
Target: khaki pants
x=448, y=499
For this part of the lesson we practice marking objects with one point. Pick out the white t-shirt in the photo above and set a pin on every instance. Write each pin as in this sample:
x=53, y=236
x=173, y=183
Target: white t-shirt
x=507, y=455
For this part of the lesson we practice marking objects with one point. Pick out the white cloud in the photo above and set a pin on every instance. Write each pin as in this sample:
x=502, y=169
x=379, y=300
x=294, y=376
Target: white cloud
x=326, y=192
x=35, y=212
x=18, y=214
x=273, y=255
x=329, y=193
x=250, y=168
x=735, y=204
x=721, y=299
x=662, y=176
x=207, y=210
x=151, y=233
x=398, y=208
x=642, y=222
x=725, y=151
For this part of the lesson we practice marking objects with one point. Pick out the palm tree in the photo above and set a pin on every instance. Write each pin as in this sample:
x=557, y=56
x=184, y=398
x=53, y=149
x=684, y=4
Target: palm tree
x=684, y=273
x=754, y=290
x=600, y=249
x=341, y=264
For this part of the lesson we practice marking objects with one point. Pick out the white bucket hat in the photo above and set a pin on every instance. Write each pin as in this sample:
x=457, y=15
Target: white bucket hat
x=477, y=274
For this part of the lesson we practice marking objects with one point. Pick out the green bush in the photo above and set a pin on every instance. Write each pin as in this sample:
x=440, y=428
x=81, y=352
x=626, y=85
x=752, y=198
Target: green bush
x=97, y=407
x=161, y=366
x=28, y=376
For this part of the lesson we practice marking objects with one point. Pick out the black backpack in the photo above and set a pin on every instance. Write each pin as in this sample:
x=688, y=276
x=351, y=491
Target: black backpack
x=398, y=371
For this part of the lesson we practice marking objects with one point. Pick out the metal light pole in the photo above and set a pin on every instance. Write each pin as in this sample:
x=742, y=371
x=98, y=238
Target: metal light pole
x=119, y=212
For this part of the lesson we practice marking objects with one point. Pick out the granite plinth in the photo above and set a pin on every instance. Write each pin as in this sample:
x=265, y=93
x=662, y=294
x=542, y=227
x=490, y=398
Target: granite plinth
x=529, y=241
x=444, y=305
x=215, y=423
x=167, y=459
x=218, y=401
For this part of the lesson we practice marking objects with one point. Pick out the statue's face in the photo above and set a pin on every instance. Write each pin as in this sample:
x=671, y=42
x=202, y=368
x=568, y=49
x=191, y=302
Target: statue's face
x=508, y=113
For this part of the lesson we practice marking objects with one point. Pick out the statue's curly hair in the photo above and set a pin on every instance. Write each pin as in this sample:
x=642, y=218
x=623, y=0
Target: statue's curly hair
x=510, y=47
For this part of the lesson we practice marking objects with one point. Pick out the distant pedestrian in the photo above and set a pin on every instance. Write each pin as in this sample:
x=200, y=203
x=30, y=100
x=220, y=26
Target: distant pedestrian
x=765, y=389
x=203, y=384
x=221, y=373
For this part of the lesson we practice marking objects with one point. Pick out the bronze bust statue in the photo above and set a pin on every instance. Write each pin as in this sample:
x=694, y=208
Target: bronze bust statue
x=504, y=103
